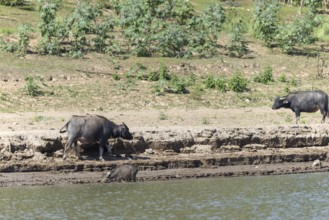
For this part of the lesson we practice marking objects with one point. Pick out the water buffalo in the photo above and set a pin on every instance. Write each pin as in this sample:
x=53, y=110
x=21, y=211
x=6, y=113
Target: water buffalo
x=90, y=129
x=123, y=172
x=304, y=101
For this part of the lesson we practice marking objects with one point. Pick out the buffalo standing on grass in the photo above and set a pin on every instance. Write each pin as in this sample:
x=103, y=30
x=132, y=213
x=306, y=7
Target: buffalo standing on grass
x=90, y=129
x=304, y=101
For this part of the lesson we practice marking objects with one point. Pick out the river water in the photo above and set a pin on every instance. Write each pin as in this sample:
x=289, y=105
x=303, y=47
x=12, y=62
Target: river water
x=266, y=197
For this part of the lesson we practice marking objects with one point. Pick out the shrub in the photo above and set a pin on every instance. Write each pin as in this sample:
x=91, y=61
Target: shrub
x=298, y=33
x=221, y=84
x=161, y=74
x=210, y=82
x=10, y=47
x=24, y=32
x=31, y=87
x=82, y=22
x=137, y=71
x=12, y=2
x=294, y=82
x=178, y=85
x=103, y=38
x=50, y=29
x=116, y=77
x=264, y=77
x=283, y=78
x=216, y=83
x=266, y=21
x=171, y=41
x=238, y=83
x=238, y=45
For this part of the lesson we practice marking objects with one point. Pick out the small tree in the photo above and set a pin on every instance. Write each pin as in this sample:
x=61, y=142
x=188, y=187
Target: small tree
x=206, y=29
x=238, y=45
x=81, y=23
x=266, y=21
x=298, y=33
x=50, y=29
x=24, y=32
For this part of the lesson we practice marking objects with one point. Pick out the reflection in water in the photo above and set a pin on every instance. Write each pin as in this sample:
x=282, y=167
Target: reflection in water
x=268, y=197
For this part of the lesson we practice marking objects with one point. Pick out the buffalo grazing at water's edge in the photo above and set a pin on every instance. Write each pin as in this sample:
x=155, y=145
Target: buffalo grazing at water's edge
x=304, y=101
x=93, y=128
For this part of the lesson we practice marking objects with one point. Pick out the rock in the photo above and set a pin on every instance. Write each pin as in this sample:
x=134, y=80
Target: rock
x=149, y=151
x=187, y=150
x=169, y=152
x=39, y=156
x=317, y=163
x=254, y=146
x=230, y=148
x=202, y=148
x=59, y=153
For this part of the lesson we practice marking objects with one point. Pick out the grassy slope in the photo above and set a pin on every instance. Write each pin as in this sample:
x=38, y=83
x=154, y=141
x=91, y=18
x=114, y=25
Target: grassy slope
x=88, y=83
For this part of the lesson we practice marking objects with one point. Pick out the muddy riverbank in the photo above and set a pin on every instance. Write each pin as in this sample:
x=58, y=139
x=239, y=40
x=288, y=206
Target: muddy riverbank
x=165, y=153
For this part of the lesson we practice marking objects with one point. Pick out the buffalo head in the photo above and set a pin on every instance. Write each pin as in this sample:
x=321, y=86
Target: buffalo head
x=279, y=102
x=124, y=131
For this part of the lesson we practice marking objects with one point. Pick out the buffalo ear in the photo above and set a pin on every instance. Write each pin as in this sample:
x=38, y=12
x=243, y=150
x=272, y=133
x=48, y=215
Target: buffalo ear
x=125, y=126
x=285, y=102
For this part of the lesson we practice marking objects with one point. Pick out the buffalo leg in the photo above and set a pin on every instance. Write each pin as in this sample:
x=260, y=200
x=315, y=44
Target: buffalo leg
x=109, y=148
x=324, y=115
x=297, y=116
x=102, y=145
x=77, y=149
x=67, y=146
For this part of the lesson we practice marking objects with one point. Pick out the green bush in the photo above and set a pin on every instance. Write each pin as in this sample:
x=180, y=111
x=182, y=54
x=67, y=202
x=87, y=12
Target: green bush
x=282, y=78
x=221, y=84
x=238, y=45
x=171, y=41
x=266, y=21
x=12, y=2
x=10, y=47
x=294, y=82
x=210, y=82
x=21, y=46
x=265, y=77
x=31, y=87
x=178, y=85
x=161, y=74
x=298, y=33
x=24, y=32
x=216, y=83
x=238, y=83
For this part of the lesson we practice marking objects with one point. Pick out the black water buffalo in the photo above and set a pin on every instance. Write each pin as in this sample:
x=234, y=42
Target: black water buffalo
x=90, y=129
x=304, y=101
x=123, y=172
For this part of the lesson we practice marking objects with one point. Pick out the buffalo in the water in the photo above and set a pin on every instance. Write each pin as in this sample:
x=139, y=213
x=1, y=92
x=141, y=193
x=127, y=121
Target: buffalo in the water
x=93, y=128
x=123, y=172
x=304, y=101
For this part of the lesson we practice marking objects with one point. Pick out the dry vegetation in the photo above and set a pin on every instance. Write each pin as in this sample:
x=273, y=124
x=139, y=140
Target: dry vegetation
x=99, y=83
